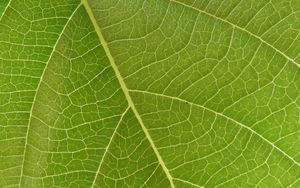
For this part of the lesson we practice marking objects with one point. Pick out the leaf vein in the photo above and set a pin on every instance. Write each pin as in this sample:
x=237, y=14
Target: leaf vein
x=222, y=115
x=108, y=145
x=240, y=28
x=125, y=89
x=4, y=11
x=38, y=87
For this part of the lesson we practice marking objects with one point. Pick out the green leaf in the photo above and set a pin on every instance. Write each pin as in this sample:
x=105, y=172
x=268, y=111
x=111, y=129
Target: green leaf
x=149, y=93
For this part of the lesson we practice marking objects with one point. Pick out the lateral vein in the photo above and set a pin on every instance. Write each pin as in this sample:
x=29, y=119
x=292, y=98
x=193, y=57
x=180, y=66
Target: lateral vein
x=4, y=11
x=240, y=28
x=38, y=87
x=109, y=143
x=221, y=115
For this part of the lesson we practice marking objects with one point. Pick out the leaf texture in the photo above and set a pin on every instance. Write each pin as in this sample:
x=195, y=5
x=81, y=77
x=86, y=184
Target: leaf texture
x=166, y=93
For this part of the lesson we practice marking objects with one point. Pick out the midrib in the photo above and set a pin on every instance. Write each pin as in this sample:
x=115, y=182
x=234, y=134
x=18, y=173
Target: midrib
x=125, y=89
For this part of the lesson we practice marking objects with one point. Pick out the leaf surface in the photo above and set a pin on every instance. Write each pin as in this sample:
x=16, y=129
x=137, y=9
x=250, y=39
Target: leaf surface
x=166, y=93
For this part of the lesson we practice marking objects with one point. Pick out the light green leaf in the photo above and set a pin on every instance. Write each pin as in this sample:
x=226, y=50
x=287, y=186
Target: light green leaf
x=149, y=93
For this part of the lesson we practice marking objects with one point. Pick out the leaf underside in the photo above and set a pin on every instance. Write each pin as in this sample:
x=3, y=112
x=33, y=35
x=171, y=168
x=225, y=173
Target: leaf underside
x=142, y=93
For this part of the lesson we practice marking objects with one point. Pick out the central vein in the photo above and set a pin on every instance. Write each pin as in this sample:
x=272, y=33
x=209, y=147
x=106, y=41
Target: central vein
x=125, y=89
